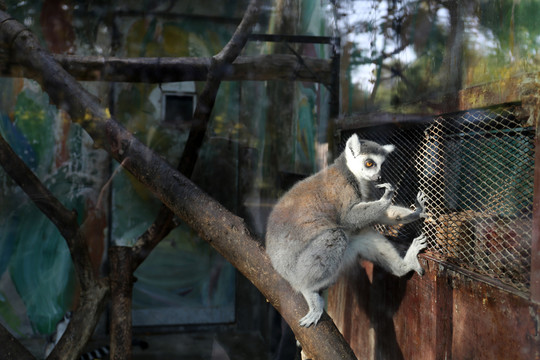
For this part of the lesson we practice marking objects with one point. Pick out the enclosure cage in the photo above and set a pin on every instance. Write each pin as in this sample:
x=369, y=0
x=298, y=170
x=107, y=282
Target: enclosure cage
x=476, y=169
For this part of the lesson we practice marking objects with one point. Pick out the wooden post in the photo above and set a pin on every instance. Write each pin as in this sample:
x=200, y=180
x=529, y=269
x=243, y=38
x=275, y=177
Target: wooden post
x=121, y=290
x=535, y=246
x=530, y=100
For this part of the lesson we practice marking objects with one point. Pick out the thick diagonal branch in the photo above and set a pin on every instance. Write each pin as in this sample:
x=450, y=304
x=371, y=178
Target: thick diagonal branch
x=224, y=231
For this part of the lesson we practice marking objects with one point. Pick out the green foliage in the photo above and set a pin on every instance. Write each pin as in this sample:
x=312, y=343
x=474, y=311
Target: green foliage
x=499, y=39
x=514, y=24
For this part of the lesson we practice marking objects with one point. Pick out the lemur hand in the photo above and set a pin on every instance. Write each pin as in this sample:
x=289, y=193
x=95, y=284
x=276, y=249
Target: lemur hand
x=420, y=204
x=389, y=191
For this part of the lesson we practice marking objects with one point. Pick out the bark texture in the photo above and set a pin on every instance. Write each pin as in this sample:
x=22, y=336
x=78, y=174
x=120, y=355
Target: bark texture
x=121, y=278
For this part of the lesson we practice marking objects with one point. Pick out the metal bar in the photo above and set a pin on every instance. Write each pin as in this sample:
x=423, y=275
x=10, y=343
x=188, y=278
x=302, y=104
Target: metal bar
x=535, y=245
x=307, y=39
x=379, y=120
x=487, y=133
x=472, y=275
x=172, y=15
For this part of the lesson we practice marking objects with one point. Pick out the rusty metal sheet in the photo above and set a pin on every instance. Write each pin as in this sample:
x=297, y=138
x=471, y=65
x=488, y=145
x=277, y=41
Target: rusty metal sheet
x=445, y=314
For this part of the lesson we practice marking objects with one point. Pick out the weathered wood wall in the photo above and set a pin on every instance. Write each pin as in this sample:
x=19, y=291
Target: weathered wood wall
x=445, y=314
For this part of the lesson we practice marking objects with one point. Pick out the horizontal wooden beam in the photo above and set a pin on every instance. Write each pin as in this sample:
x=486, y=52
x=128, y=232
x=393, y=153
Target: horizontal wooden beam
x=167, y=69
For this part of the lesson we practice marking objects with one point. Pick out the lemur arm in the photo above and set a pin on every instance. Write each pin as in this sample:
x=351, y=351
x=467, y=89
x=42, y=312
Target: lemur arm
x=395, y=215
x=365, y=213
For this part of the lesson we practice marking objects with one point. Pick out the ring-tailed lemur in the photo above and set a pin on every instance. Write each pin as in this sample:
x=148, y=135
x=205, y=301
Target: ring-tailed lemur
x=98, y=353
x=320, y=226
x=53, y=339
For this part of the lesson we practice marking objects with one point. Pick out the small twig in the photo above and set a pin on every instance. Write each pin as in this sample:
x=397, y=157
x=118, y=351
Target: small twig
x=108, y=184
x=159, y=229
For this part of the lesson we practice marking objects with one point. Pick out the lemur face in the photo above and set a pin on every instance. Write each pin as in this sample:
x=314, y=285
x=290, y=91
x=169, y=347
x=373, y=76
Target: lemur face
x=368, y=167
x=365, y=158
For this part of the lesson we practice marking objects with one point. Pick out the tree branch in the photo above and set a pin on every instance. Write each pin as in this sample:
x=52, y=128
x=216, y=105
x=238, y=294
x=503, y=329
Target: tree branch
x=159, y=229
x=121, y=278
x=161, y=70
x=93, y=292
x=164, y=222
x=207, y=98
x=83, y=322
x=362, y=60
x=226, y=232
x=64, y=219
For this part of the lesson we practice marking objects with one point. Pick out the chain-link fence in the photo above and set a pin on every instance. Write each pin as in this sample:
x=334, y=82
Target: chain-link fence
x=477, y=171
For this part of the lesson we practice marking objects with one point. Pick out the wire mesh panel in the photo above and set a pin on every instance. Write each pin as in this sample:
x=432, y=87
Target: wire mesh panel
x=477, y=171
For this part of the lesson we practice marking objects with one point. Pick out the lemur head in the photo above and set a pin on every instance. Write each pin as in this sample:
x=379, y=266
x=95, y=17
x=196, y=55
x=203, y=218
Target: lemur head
x=364, y=158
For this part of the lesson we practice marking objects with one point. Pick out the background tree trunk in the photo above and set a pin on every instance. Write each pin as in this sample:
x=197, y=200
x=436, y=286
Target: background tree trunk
x=121, y=278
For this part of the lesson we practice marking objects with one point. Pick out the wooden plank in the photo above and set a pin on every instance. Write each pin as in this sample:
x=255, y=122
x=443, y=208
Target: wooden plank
x=420, y=320
x=349, y=307
x=442, y=315
x=444, y=305
x=492, y=324
x=530, y=102
x=492, y=93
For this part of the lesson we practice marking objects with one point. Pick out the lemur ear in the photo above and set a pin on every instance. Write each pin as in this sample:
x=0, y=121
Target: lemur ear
x=353, y=145
x=389, y=148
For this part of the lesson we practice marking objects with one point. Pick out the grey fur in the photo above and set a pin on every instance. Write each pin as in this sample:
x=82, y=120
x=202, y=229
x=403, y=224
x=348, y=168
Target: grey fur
x=320, y=226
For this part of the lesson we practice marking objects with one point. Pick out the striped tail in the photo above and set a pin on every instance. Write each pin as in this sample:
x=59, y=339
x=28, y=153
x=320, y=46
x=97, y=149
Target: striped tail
x=99, y=353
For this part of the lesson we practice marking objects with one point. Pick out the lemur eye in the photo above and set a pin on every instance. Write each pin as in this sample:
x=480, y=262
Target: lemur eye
x=369, y=163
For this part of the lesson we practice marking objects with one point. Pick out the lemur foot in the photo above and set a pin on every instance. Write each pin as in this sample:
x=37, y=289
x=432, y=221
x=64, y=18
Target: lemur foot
x=418, y=244
x=312, y=318
x=421, y=204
